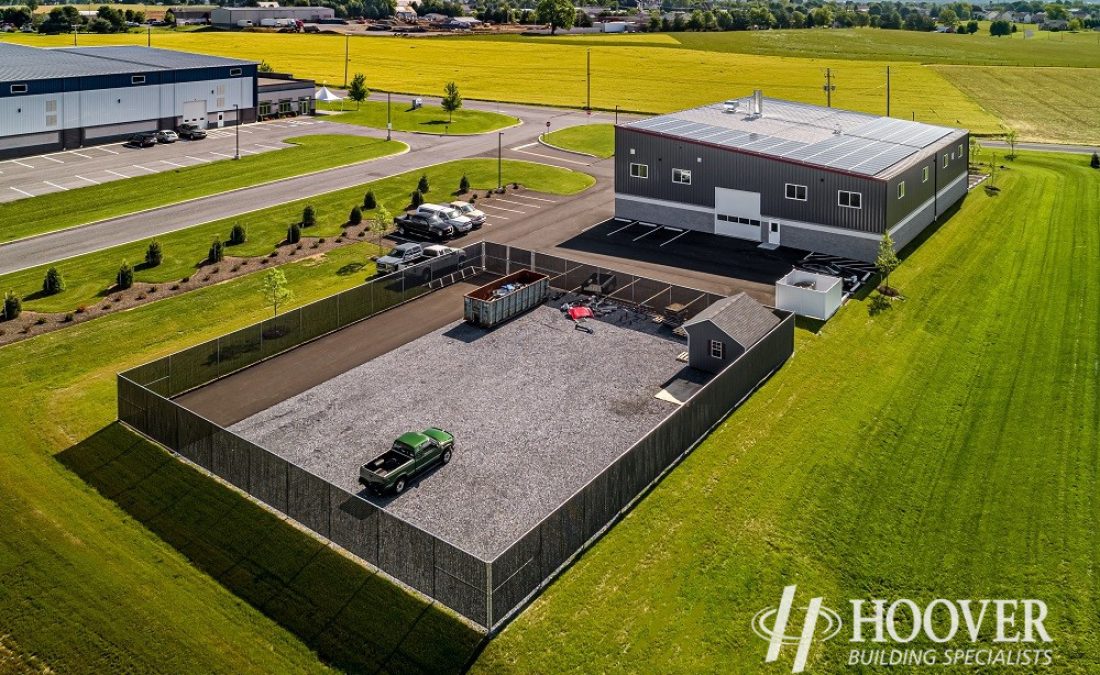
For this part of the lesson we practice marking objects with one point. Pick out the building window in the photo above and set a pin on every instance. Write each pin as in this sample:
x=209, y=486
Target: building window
x=775, y=227
x=924, y=175
x=849, y=200
x=681, y=176
x=717, y=349
x=51, y=105
x=265, y=108
x=284, y=107
x=797, y=192
x=901, y=189
x=51, y=120
x=639, y=171
x=960, y=150
x=235, y=72
x=18, y=88
x=945, y=160
x=137, y=79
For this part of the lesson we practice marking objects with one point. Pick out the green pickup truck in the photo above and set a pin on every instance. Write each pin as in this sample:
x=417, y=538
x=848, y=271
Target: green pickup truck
x=411, y=453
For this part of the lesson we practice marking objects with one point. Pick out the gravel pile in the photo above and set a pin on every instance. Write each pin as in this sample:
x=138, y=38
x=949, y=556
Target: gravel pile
x=537, y=409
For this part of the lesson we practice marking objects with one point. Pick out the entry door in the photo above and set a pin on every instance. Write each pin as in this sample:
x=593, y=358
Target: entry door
x=773, y=233
x=737, y=214
x=221, y=120
x=194, y=112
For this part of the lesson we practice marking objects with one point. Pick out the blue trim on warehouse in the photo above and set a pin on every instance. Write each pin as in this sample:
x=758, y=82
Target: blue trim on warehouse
x=117, y=81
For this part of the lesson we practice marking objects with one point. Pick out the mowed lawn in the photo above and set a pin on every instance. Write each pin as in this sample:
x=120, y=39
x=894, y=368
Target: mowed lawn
x=59, y=210
x=430, y=119
x=88, y=277
x=947, y=447
x=1055, y=105
x=554, y=73
x=591, y=139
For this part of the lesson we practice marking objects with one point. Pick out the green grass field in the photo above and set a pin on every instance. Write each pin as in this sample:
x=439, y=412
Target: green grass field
x=88, y=277
x=554, y=74
x=592, y=139
x=946, y=447
x=1056, y=105
x=59, y=210
x=426, y=119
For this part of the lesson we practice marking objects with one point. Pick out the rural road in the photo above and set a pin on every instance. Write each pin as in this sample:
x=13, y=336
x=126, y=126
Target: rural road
x=1044, y=147
x=424, y=150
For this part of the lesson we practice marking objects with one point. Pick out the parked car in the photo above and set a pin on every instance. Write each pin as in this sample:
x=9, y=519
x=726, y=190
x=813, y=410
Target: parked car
x=459, y=222
x=467, y=209
x=145, y=139
x=167, y=136
x=424, y=226
x=399, y=258
x=192, y=132
x=411, y=454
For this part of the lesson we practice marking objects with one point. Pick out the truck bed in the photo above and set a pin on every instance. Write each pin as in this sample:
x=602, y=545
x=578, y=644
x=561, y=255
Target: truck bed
x=387, y=463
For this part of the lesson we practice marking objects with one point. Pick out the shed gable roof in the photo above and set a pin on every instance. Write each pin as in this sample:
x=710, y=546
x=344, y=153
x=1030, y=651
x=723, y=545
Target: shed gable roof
x=743, y=319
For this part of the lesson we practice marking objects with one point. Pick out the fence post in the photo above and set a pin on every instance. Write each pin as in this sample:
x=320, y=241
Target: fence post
x=489, y=595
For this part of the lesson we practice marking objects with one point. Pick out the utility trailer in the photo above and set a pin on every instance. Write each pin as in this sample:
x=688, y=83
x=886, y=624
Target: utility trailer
x=505, y=298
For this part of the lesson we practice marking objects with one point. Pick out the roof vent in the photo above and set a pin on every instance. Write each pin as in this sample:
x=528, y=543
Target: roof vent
x=757, y=103
x=837, y=131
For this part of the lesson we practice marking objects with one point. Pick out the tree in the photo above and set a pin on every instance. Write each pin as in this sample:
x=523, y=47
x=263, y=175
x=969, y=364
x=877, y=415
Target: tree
x=265, y=67
x=13, y=306
x=356, y=216
x=153, y=255
x=422, y=184
x=886, y=261
x=237, y=235
x=972, y=27
x=358, y=91
x=274, y=289
x=452, y=100
x=170, y=18
x=949, y=18
x=125, y=277
x=464, y=185
x=293, y=234
x=381, y=223
x=309, y=216
x=993, y=167
x=216, y=253
x=1095, y=163
x=416, y=199
x=1010, y=138
x=53, y=283
x=556, y=13
x=1000, y=28
x=369, y=200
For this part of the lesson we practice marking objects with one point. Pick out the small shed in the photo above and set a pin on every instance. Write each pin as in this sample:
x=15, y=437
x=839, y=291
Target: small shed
x=725, y=330
x=817, y=296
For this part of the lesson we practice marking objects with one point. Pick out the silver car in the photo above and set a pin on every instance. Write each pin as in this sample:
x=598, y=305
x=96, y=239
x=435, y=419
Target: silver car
x=450, y=215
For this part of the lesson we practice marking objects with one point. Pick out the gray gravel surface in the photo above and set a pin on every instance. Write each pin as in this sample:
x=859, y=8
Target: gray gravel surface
x=537, y=408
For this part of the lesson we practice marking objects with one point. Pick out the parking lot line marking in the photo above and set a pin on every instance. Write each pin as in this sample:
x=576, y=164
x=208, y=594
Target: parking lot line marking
x=55, y=185
x=500, y=217
x=498, y=208
x=22, y=192
x=269, y=147
x=675, y=238
x=182, y=166
x=539, y=199
x=197, y=159
x=631, y=223
x=115, y=173
x=245, y=131
x=78, y=154
x=52, y=159
x=93, y=182
x=221, y=154
x=556, y=159
x=143, y=168
x=113, y=152
x=249, y=152
x=521, y=147
x=16, y=161
x=509, y=201
x=647, y=233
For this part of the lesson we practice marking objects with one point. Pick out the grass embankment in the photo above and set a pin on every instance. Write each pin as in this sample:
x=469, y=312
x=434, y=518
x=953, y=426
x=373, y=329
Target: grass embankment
x=430, y=119
x=946, y=447
x=186, y=576
x=623, y=74
x=597, y=140
x=89, y=276
x=1054, y=105
x=59, y=210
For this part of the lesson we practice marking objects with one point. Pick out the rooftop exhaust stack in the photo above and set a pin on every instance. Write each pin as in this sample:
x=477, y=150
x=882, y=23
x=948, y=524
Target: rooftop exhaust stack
x=757, y=103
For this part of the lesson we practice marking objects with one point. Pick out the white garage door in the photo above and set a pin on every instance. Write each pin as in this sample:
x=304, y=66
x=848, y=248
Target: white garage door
x=737, y=213
x=194, y=112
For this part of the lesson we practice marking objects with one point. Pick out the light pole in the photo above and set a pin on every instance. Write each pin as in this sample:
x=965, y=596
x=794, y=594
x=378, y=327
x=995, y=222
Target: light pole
x=389, y=122
x=347, y=58
x=616, y=115
x=237, y=117
x=74, y=34
x=148, y=36
x=500, y=161
x=588, y=73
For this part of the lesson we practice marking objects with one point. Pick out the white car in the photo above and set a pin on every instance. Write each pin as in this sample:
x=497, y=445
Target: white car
x=450, y=215
x=167, y=136
x=467, y=209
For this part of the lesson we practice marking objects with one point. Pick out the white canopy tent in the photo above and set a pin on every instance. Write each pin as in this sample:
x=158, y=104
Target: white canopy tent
x=325, y=94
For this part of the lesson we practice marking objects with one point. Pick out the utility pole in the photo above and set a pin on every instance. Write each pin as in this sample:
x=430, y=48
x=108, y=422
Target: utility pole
x=149, y=36
x=389, y=122
x=588, y=97
x=500, y=165
x=887, y=91
x=237, y=115
x=347, y=58
x=829, y=87
x=616, y=115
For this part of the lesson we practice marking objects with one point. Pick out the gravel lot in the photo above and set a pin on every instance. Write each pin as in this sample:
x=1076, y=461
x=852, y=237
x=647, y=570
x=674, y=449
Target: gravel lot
x=537, y=409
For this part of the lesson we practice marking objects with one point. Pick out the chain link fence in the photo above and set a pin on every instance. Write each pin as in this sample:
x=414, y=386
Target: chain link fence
x=486, y=592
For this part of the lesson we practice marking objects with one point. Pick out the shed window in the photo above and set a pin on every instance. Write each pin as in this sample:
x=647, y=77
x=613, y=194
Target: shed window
x=945, y=160
x=681, y=176
x=960, y=150
x=235, y=72
x=639, y=171
x=137, y=79
x=18, y=88
x=849, y=200
x=901, y=189
x=797, y=192
x=924, y=175
x=717, y=349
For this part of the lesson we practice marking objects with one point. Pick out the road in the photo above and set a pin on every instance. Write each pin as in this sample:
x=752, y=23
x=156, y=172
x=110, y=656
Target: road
x=520, y=142
x=1043, y=147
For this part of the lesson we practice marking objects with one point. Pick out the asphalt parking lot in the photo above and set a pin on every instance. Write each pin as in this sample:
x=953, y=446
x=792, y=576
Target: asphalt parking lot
x=537, y=408
x=60, y=171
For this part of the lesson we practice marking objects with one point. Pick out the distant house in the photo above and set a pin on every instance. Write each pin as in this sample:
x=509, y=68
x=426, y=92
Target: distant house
x=725, y=330
x=1054, y=24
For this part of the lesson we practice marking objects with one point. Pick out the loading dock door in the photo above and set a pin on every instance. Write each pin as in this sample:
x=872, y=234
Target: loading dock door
x=737, y=214
x=194, y=112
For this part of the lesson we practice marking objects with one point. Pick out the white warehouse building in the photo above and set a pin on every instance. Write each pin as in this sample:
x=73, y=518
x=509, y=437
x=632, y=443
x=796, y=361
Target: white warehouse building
x=59, y=99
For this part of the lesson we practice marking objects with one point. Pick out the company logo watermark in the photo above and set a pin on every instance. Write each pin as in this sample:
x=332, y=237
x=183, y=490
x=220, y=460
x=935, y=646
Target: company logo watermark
x=889, y=626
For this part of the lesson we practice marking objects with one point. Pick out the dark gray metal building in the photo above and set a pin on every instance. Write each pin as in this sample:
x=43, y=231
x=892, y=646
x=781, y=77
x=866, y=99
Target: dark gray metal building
x=790, y=174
